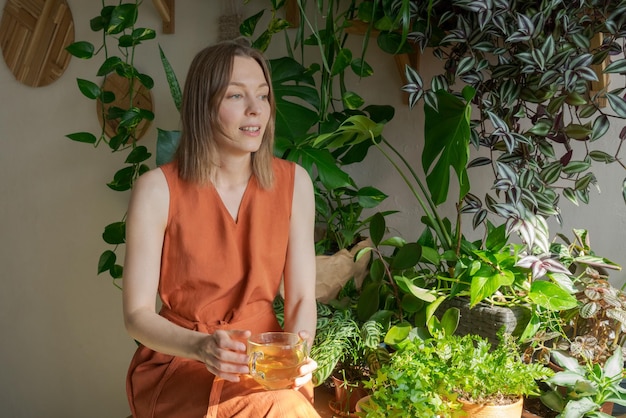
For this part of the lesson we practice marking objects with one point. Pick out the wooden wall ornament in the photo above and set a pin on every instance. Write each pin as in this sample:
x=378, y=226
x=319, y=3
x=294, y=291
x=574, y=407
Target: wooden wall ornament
x=33, y=37
x=120, y=87
x=166, y=9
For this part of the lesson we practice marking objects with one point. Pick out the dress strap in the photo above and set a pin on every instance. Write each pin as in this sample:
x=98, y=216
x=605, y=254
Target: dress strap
x=214, y=397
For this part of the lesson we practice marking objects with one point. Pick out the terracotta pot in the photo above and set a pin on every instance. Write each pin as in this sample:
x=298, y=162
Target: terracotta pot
x=346, y=396
x=513, y=410
x=360, y=402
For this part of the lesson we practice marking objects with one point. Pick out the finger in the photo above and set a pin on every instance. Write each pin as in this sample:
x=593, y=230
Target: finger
x=225, y=340
x=242, y=337
x=221, y=368
x=302, y=380
x=308, y=367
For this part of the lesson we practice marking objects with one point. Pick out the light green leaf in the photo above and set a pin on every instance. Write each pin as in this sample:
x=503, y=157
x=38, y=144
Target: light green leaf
x=551, y=296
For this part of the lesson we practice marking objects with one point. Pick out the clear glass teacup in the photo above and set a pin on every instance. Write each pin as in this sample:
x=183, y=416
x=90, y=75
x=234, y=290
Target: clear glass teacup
x=274, y=358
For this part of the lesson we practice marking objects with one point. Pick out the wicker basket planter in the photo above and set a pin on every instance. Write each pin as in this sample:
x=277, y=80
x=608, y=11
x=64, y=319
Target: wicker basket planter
x=486, y=320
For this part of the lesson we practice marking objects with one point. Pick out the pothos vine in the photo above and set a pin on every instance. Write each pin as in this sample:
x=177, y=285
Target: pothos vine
x=117, y=26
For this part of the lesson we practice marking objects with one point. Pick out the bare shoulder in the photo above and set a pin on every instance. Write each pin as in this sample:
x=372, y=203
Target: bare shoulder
x=150, y=195
x=302, y=180
x=152, y=183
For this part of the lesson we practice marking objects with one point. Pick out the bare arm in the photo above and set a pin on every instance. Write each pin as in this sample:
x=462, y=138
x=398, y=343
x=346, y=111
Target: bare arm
x=145, y=230
x=300, y=308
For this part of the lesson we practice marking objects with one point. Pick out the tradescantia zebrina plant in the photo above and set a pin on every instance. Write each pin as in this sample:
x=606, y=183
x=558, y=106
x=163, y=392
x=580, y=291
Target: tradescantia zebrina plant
x=537, y=110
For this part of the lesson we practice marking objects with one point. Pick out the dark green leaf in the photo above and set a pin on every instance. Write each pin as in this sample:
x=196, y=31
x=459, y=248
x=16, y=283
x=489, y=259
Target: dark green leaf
x=370, y=197
x=368, y=302
x=107, y=260
x=116, y=271
x=126, y=41
x=361, y=68
x=138, y=155
x=601, y=156
x=115, y=233
x=447, y=136
x=86, y=137
x=407, y=256
x=122, y=180
x=88, y=88
x=81, y=49
x=143, y=34
x=146, y=80
x=249, y=25
x=342, y=61
x=123, y=17
x=263, y=41
x=392, y=43
x=578, y=131
x=352, y=100
x=377, y=228
x=108, y=66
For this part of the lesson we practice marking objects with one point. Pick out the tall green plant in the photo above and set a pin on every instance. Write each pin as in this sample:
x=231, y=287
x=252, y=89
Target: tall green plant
x=120, y=38
x=312, y=100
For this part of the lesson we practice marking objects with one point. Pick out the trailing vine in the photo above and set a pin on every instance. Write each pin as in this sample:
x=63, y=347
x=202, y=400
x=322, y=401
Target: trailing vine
x=117, y=26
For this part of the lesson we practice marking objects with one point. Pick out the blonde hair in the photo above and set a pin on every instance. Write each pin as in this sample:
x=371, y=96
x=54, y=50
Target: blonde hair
x=208, y=77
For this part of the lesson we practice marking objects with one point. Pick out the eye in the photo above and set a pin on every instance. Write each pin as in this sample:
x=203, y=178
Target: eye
x=264, y=97
x=234, y=96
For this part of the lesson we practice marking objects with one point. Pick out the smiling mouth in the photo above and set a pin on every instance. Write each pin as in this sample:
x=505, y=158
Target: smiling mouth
x=250, y=128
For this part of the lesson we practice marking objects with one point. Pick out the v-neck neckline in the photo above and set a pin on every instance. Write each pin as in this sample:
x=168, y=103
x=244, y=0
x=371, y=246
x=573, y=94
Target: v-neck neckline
x=242, y=203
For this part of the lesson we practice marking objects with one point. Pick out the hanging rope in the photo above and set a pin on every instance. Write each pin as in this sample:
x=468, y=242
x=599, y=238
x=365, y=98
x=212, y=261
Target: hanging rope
x=230, y=20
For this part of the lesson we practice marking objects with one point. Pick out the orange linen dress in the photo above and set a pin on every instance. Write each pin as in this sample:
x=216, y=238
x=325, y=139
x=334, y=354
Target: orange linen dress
x=218, y=273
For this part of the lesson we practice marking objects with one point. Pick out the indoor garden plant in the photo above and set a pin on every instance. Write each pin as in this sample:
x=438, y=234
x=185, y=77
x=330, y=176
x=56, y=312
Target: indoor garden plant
x=120, y=37
x=436, y=376
x=585, y=389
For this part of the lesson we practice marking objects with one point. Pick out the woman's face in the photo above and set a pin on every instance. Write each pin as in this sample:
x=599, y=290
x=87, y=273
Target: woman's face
x=245, y=109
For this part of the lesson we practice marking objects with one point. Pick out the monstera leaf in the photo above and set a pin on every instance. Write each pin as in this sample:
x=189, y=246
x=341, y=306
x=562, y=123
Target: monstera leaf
x=447, y=139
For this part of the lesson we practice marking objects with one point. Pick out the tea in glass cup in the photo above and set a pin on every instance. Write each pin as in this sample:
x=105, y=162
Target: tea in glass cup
x=274, y=358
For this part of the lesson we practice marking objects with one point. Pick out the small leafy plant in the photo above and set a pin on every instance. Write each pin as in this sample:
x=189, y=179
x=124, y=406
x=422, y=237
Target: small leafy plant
x=429, y=378
x=596, y=325
x=580, y=390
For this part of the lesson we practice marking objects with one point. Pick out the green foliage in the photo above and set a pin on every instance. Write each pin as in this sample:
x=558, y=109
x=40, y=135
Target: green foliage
x=580, y=390
x=592, y=327
x=117, y=26
x=428, y=378
x=314, y=107
x=534, y=96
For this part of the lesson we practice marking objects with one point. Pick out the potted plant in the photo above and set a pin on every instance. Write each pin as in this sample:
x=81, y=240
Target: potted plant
x=587, y=389
x=593, y=329
x=440, y=376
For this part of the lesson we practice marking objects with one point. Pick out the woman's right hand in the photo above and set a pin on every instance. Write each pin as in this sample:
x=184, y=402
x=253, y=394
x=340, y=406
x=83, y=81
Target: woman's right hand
x=224, y=354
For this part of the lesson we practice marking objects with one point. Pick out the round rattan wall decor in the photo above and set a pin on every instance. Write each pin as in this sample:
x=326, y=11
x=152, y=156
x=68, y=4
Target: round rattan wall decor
x=120, y=87
x=33, y=37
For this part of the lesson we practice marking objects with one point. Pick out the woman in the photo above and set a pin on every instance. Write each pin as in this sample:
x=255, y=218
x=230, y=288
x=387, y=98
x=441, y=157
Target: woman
x=213, y=232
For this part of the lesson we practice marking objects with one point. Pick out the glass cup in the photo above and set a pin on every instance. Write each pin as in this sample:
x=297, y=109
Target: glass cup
x=274, y=358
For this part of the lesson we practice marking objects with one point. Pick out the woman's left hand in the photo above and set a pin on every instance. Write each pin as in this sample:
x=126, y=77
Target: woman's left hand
x=308, y=367
x=306, y=373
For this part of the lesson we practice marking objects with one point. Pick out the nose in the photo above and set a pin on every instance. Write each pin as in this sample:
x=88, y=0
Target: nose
x=254, y=106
